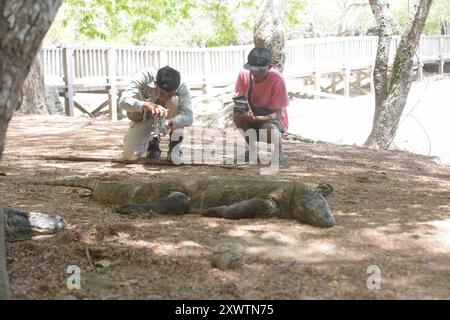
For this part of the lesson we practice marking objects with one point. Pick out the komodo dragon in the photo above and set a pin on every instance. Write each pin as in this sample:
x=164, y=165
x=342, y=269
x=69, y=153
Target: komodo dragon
x=231, y=199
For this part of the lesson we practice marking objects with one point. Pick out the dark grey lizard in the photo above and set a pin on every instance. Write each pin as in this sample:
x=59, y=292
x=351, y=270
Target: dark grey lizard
x=231, y=199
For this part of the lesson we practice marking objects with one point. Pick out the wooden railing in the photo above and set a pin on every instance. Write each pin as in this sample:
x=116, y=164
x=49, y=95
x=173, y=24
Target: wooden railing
x=221, y=65
x=109, y=69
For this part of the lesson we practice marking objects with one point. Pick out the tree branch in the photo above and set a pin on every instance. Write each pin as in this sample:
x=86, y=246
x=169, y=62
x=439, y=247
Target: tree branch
x=409, y=42
x=380, y=9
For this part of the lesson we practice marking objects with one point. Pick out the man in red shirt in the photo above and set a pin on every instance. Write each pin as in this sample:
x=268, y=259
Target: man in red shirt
x=265, y=89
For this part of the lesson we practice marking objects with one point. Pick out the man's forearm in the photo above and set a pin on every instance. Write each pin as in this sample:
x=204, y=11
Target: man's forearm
x=136, y=105
x=131, y=104
x=183, y=119
x=269, y=117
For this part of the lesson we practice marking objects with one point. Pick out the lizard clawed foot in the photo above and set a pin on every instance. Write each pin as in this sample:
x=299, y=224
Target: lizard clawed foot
x=213, y=212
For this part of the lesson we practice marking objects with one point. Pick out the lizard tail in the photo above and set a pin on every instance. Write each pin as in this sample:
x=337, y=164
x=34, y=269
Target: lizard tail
x=77, y=182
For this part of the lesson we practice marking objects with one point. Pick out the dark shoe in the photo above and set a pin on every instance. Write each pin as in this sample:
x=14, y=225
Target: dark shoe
x=175, y=158
x=153, y=151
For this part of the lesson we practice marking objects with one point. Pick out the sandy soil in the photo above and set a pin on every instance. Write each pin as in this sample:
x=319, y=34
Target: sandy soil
x=392, y=210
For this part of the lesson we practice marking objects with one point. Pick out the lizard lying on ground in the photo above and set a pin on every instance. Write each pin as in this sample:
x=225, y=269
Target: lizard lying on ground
x=231, y=199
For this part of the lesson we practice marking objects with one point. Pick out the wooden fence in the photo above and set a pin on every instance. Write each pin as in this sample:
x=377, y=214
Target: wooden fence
x=109, y=69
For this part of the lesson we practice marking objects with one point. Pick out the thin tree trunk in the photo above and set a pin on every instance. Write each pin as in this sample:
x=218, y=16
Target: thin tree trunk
x=23, y=25
x=34, y=99
x=390, y=98
x=445, y=28
x=269, y=33
x=384, y=19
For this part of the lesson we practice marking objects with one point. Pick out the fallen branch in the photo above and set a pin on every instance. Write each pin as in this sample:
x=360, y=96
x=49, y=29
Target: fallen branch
x=140, y=161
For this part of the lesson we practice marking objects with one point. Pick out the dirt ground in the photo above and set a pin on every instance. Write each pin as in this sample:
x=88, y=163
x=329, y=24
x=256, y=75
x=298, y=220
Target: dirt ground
x=392, y=210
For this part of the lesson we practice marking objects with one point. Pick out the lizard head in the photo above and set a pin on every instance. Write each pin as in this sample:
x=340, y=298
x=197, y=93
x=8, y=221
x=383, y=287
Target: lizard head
x=312, y=208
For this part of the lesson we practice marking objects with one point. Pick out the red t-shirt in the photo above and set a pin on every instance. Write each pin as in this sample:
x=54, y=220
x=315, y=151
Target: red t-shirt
x=269, y=94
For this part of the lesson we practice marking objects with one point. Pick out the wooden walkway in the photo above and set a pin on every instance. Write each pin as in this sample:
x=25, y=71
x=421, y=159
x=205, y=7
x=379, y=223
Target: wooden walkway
x=329, y=67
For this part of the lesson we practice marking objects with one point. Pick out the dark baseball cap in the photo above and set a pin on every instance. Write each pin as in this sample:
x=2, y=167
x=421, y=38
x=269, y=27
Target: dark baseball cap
x=259, y=58
x=168, y=78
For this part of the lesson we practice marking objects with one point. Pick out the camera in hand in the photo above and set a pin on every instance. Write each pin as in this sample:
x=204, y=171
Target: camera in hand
x=241, y=104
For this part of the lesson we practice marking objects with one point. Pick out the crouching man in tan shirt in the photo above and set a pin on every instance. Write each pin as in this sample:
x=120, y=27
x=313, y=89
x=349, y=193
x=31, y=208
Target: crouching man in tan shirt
x=150, y=95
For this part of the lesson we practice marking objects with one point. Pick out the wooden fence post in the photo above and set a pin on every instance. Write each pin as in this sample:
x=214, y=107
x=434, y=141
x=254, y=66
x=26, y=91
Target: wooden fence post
x=316, y=70
x=68, y=81
x=420, y=71
x=317, y=80
x=346, y=70
x=206, y=70
x=112, y=83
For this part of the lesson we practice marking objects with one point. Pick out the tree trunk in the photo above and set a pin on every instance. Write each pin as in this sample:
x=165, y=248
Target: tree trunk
x=390, y=98
x=269, y=33
x=34, y=98
x=384, y=19
x=4, y=291
x=23, y=25
x=445, y=28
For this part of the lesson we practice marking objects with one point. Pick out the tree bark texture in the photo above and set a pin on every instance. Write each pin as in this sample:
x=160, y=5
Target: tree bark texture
x=445, y=28
x=269, y=33
x=23, y=25
x=384, y=19
x=391, y=96
x=34, y=99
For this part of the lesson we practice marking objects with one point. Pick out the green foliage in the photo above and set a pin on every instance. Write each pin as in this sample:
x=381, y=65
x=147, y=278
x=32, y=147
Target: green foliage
x=224, y=31
x=400, y=19
x=123, y=20
x=155, y=22
x=439, y=12
x=217, y=22
x=293, y=8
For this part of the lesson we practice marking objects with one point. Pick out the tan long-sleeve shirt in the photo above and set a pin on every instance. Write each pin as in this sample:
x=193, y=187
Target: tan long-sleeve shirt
x=142, y=88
